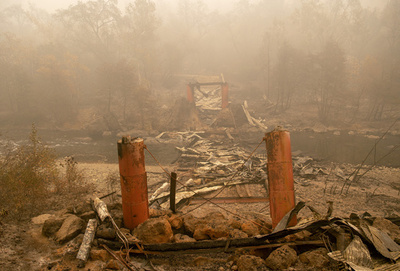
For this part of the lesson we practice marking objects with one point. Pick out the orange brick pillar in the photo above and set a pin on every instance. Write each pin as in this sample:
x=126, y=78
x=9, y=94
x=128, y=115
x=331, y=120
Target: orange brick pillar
x=280, y=175
x=135, y=206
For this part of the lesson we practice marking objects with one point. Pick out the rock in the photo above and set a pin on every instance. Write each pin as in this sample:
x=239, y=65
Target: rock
x=200, y=232
x=114, y=265
x=235, y=233
x=266, y=227
x=39, y=220
x=190, y=223
x=213, y=230
x=387, y=227
x=104, y=232
x=316, y=258
x=100, y=255
x=82, y=207
x=301, y=235
x=70, y=228
x=157, y=212
x=234, y=223
x=175, y=221
x=219, y=230
x=212, y=226
x=51, y=226
x=88, y=215
x=182, y=238
x=281, y=258
x=69, y=250
x=95, y=265
x=249, y=228
x=250, y=263
x=154, y=230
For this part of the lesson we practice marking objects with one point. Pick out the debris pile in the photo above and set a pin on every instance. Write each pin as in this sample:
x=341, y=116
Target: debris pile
x=211, y=159
x=209, y=165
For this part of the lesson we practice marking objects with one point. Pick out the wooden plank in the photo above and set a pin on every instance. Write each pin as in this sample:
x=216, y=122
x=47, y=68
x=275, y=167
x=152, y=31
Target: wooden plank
x=230, y=200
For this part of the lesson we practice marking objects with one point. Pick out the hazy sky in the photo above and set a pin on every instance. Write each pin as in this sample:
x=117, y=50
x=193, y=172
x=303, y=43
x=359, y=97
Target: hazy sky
x=52, y=5
x=222, y=5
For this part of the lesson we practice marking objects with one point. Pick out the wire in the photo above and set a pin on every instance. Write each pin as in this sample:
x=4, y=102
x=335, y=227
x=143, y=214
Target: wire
x=355, y=172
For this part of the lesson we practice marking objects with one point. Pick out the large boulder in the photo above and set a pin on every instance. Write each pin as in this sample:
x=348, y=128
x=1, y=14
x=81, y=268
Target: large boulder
x=154, y=230
x=105, y=232
x=71, y=227
x=52, y=225
x=281, y=258
x=39, y=220
x=236, y=234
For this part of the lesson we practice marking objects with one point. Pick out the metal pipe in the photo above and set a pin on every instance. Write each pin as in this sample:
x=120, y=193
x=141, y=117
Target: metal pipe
x=280, y=175
x=133, y=177
x=172, y=193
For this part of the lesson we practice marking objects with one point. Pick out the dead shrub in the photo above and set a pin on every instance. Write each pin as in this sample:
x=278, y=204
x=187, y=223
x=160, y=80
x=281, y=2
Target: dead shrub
x=31, y=180
x=26, y=172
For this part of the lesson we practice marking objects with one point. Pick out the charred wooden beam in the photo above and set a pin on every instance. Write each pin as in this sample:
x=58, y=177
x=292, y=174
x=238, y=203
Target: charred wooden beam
x=225, y=248
x=206, y=245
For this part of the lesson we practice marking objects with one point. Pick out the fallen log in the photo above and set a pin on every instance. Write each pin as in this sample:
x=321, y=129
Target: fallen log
x=88, y=238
